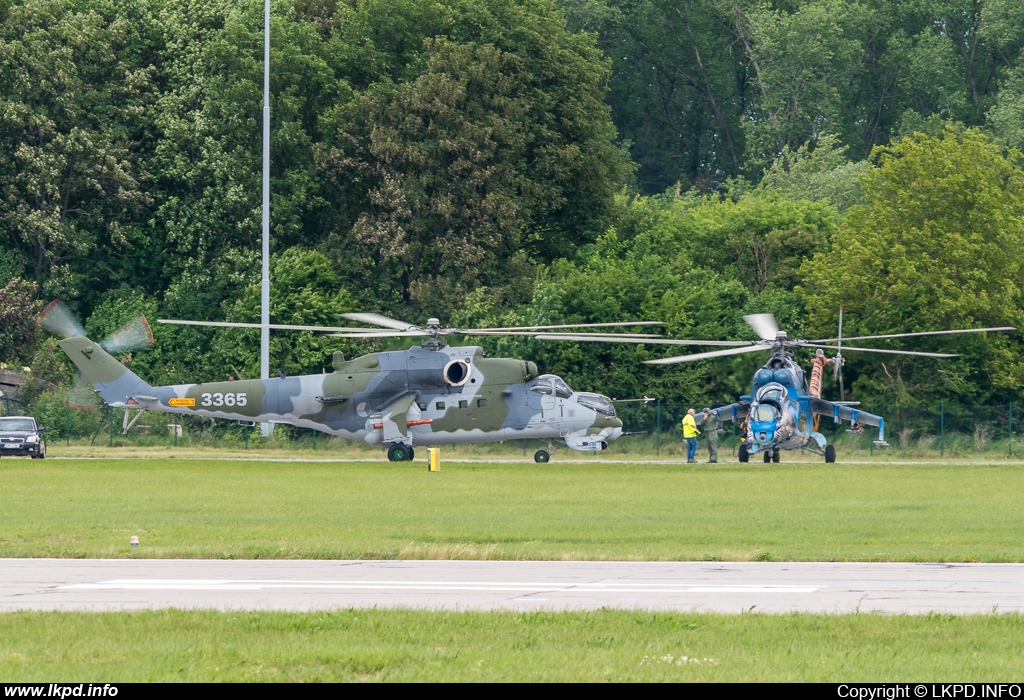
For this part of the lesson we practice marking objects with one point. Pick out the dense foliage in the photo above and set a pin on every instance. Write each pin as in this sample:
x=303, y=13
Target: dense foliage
x=474, y=160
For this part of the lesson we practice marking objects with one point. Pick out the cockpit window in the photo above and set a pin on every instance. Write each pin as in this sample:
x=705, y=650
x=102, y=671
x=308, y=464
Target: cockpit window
x=596, y=402
x=549, y=383
x=562, y=389
x=765, y=414
x=772, y=392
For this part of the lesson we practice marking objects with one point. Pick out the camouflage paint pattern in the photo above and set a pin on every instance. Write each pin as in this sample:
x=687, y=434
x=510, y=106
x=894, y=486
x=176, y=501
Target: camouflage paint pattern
x=454, y=395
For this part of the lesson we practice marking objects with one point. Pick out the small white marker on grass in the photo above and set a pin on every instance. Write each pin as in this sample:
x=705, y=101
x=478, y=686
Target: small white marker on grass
x=134, y=541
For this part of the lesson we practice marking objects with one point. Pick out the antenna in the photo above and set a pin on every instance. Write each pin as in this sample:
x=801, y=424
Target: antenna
x=838, y=372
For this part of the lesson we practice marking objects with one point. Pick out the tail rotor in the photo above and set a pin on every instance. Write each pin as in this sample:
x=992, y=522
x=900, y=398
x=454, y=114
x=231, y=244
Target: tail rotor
x=133, y=336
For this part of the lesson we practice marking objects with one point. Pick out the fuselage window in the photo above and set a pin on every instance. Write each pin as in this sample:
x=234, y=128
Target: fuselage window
x=439, y=405
x=481, y=403
x=422, y=406
x=463, y=404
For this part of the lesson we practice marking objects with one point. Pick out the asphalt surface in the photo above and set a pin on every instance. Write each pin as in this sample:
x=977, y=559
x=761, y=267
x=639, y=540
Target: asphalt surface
x=98, y=585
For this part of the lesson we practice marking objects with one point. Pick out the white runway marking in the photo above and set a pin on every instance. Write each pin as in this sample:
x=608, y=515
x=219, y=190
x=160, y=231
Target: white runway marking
x=245, y=585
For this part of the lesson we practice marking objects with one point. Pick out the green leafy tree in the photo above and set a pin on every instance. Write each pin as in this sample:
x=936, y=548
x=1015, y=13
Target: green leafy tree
x=939, y=244
x=19, y=310
x=304, y=290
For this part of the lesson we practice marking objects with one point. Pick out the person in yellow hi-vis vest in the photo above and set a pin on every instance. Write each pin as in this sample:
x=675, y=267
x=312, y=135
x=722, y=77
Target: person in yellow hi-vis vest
x=690, y=434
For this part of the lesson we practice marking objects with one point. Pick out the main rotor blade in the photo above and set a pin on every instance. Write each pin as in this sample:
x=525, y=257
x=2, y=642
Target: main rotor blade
x=382, y=334
x=887, y=352
x=638, y=339
x=378, y=320
x=534, y=334
x=275, y=326
x=705, y=355
x=571, y=325
x=910, y=335
x=763, y=324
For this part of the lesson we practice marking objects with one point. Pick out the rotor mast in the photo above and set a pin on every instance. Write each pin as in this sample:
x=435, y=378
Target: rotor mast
x=266, y=428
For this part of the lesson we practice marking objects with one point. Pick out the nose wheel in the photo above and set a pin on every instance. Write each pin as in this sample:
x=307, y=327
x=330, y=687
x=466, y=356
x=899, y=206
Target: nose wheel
x=400, y=453
x=830, y=454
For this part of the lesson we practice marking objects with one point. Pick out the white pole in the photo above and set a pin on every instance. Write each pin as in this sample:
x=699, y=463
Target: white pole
x=266, y=428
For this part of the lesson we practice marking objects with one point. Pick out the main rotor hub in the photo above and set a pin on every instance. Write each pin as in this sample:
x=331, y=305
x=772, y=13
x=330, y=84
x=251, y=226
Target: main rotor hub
x=781, y=335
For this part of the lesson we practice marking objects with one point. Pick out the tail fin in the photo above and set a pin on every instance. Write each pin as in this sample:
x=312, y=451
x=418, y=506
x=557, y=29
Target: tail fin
x=114, y=382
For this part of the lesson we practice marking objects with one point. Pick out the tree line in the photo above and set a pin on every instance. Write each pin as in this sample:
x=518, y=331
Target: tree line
x=522, y=162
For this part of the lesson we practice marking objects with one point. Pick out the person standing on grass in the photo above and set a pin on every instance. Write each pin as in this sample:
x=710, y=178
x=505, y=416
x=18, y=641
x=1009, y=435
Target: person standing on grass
x=690, y=434
x=711, y=425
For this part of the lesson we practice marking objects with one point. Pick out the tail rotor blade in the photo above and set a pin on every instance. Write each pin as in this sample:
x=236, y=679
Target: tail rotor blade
x=134, y=335
x=58, y=319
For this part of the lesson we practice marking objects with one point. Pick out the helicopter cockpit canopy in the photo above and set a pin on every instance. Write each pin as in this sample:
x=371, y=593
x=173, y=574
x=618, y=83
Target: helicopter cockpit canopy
x=549, y=384
x=773, y=392
x=596, y=402
x=765, y=413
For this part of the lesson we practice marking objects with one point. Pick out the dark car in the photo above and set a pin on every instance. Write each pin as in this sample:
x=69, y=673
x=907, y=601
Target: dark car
x=20, y=436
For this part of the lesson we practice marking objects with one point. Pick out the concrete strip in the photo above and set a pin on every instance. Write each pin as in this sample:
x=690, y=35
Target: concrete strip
x=776, y=587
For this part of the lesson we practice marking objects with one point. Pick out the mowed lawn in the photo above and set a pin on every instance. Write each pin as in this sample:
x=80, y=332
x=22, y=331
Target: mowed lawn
x=197, y=508
x=421, y=645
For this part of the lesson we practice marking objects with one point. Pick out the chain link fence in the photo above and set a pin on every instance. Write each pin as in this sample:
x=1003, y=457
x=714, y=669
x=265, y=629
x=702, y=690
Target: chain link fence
x=941, y=430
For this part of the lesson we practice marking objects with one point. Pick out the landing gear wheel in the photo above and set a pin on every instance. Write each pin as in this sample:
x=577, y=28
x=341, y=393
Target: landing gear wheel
x=775, y=456
x=399, y=453
x=767, y=457
x=830, y=454
x=412, y=453
x=541, y=457
x=744, y=455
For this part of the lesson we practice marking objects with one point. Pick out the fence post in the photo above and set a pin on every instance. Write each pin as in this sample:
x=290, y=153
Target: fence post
x=67, y=424
x=314, y=439
x=175, y=429
x=1011, y=430
x=246, y=431
x=871, y=447
x=110, y=425
x=734, y=438
x=657, y=434
x=942, y=428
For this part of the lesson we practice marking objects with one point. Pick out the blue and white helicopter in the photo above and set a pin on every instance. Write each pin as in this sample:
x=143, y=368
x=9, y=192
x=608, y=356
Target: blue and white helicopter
x=783, y=409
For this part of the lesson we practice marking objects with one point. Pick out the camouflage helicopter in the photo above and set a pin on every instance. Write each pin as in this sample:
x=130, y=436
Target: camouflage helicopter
x=430, y=395
x=783, y=409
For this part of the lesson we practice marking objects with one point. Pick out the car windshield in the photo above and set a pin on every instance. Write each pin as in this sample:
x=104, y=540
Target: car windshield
x=26, y=424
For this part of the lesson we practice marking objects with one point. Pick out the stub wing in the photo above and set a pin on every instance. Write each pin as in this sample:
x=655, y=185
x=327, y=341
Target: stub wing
x=839, y=412
x=734, y=412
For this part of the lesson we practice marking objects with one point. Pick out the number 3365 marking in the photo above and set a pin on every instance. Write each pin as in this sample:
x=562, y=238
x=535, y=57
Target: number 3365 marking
x=219, y=399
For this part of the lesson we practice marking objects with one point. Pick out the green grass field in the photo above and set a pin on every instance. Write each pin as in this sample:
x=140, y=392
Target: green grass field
x=258, y=509
x=609, y=645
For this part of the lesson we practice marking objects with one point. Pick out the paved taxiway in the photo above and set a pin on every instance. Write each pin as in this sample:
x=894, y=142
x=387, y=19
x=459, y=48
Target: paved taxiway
x=104, y=584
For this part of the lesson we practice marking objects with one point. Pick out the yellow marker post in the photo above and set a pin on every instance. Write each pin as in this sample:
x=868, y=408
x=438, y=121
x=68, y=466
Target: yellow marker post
x=434, y=459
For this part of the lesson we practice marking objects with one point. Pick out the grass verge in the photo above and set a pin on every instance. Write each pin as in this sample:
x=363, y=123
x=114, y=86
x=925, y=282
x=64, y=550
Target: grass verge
x=400, y=645
x=224, y=509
